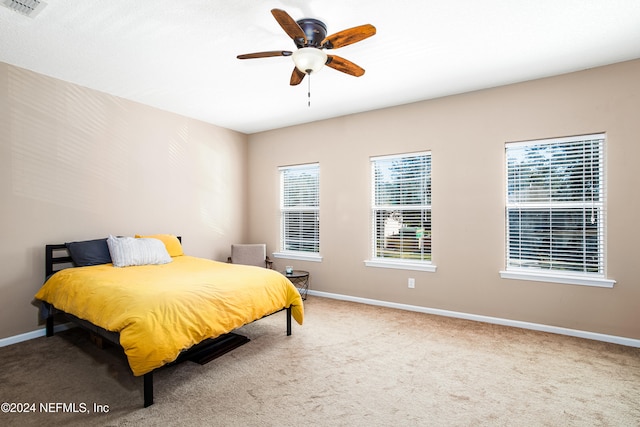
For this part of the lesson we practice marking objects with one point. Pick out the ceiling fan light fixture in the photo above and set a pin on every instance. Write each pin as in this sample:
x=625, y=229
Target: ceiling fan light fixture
x=309, y=59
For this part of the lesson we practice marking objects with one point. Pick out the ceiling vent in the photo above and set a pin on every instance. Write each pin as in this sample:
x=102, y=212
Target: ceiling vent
x=28, y=8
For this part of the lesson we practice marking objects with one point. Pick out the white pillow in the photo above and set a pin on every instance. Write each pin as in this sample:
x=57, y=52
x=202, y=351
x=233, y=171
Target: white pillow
x=126, y=251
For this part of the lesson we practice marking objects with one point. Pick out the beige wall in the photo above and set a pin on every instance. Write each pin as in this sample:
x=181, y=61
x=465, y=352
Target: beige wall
x=77, y=164
x=466, y=135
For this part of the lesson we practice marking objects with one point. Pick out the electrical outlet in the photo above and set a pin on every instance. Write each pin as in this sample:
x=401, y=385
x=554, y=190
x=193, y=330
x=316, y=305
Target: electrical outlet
x=412, y=282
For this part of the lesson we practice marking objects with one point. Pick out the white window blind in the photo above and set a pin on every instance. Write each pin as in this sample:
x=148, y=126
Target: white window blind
x=401, y=207
x=555, y=205
x=300, y=208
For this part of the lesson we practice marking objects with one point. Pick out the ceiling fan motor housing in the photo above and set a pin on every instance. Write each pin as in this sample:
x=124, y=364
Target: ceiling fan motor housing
x=314, y=30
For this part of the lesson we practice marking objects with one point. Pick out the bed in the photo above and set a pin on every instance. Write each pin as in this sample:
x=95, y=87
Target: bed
x=158, y=303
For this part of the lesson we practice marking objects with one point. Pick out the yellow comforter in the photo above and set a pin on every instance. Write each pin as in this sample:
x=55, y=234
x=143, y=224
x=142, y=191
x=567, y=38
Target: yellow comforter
x=160, y=310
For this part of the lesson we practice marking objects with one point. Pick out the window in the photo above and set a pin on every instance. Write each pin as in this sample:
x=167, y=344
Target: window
x=555, y=213
x=300, y=212
x=401, y=211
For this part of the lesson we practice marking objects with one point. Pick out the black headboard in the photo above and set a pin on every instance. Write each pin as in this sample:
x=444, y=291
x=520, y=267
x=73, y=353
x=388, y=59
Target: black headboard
x=56, y=258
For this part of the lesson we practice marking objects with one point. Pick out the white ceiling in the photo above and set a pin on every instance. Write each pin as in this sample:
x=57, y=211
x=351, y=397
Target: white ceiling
x=180, y=55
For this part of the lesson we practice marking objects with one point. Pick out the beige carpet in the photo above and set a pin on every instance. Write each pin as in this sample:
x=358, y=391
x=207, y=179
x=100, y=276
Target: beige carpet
x=349, y=365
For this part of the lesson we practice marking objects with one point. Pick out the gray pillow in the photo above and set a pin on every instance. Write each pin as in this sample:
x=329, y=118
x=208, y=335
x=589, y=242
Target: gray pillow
x=89, y=252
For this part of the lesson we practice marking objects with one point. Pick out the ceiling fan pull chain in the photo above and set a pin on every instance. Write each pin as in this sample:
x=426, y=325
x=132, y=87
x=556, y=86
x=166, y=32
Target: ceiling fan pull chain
x=309, y=91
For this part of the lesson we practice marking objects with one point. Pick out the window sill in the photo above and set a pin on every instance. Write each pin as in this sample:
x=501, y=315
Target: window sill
x=401, y=265
x=558, y=278
x=300, y=256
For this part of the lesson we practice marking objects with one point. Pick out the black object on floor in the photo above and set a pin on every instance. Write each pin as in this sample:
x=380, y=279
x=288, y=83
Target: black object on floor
x=211, y=349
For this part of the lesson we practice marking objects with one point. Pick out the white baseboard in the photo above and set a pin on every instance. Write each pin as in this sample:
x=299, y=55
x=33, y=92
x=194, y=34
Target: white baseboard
x=630, y=342
x=33, y=334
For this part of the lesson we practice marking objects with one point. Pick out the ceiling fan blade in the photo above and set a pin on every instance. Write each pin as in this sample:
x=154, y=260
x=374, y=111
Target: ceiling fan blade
x=296, y=76
x=288, y=24
x=349, y=36
x=344, y=65
x=265, y=54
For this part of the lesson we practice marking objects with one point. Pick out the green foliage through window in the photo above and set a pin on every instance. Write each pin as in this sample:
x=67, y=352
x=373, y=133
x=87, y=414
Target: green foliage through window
x=300, y=208
x=401, y=207
x=555, y=205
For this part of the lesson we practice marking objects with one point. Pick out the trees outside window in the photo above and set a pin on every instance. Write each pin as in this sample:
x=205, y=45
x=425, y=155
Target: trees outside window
x=555, y=205
x=300, y=208
x=401, y=207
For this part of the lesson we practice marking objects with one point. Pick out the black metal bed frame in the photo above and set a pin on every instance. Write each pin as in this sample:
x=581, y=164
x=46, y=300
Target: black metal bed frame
x=57, y=258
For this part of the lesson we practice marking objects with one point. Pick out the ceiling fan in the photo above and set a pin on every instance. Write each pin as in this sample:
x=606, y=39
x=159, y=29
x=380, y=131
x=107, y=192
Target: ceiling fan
x=310, y=37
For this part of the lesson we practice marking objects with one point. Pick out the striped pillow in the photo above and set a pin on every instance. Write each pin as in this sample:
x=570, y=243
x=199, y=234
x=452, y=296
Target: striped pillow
x=127, y=251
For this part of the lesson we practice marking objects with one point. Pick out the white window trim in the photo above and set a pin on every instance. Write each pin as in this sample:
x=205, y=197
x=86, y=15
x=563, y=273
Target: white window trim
x=558, y=278
x=300, y=256
x=401, y=265
x=516, y=273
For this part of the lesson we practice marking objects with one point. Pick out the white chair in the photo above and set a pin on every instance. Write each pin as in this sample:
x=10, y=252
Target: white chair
x=250, y=254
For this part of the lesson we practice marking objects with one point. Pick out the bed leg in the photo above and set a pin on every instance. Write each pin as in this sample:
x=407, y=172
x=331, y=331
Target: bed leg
x=49, y=326
x=148, y=389
x=48, y=309
x=288, y=320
